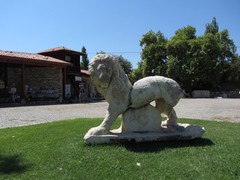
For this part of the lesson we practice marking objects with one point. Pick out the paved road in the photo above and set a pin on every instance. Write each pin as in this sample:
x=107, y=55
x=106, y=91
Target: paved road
x=209, y=109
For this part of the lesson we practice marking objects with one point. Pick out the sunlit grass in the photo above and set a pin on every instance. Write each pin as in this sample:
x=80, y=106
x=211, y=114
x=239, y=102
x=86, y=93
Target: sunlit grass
x=57, y=151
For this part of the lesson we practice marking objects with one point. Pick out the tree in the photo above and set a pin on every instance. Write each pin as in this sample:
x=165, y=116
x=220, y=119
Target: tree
x=212, y=27
x=218, y=52
x=126, y=64
x=234, y=75
x=85, y=61
x=211, y=67
x=183, y=48
x=137, y=73
x=154, y=53
x=200, y=62
x=227, y=46
x=196, y=62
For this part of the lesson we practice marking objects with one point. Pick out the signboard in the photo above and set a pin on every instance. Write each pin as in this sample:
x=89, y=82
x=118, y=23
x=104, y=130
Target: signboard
x=78, y=78
x=67, y=90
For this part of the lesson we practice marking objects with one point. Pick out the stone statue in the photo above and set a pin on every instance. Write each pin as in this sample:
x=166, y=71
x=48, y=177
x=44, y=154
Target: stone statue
x=132, y=101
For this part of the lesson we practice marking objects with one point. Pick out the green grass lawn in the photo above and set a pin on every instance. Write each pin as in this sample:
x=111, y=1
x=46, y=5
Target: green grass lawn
x=57, y=151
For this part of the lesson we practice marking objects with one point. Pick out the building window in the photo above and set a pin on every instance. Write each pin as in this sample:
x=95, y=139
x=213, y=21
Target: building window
x=68, y=58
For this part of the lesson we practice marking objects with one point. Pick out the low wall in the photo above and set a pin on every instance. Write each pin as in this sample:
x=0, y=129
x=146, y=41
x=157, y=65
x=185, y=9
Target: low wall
x=201, y=94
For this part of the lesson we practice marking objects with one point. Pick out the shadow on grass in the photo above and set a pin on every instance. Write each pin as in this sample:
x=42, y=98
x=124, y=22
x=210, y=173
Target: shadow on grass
x=159, y=146
x=12, y=164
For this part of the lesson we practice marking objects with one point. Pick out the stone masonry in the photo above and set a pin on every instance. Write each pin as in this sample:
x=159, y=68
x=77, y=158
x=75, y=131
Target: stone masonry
x=37, y=78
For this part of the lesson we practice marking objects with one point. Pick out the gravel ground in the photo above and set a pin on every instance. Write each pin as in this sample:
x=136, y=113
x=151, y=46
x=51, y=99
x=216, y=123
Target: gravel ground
x=209, y=109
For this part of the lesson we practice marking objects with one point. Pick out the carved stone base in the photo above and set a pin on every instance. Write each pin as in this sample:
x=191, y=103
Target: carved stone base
x=180, y=132
x=146, y=118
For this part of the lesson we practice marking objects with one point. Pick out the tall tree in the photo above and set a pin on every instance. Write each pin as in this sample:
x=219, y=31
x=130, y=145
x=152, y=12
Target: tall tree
x=200, y=62
x=218, y=52
x=182, y=51
x=212, y=27
x=234, y=73
x=137, y=73
x=85, y=61
x=227, y=46
x=154, y=53
x=210, y=66
x=126, y=64
x=203, y=62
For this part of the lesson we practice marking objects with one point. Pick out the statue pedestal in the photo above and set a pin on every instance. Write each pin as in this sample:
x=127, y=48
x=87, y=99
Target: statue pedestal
x=180, y=132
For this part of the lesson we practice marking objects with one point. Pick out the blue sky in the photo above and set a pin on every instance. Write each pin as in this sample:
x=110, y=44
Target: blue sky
x=107, y=25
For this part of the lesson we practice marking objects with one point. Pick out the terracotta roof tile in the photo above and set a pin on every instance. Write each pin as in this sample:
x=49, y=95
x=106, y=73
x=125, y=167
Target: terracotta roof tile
x=30, y=58
x=62, y=48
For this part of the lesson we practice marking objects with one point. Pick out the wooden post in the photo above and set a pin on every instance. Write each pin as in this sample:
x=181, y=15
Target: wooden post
x=23, y=77
x=6, y=76
x=64, y=80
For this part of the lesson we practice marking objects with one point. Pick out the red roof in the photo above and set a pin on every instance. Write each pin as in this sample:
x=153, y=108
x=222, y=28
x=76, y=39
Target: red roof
x=30, y=58
x=62, y=48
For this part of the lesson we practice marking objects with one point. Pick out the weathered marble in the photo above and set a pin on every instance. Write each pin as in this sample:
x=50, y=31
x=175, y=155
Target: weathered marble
x=143, y=119
x=133, y=102
x=180, y=132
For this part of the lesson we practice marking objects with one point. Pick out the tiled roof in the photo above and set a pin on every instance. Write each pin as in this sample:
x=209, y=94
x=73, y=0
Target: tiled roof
x=62, y=48
x=30, y=58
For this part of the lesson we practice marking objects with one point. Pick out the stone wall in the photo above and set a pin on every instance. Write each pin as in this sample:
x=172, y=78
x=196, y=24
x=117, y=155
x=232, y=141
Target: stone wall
x=14, y=79
x=38, y=79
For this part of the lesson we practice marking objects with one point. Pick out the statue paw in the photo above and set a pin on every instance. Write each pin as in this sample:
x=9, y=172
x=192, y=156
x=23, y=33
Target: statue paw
x=98, y=131
x=168, y=123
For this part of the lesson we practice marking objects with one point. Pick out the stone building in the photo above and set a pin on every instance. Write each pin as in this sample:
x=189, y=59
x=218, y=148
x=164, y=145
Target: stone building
x=73, y=72
x=51, y=74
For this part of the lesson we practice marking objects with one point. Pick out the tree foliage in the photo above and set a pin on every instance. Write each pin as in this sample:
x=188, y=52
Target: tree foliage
x=154, y=53
x=212, y=28
x=196, y=62
x=182, y=49
x=85, y=61
x=126, y=64
x=136, y=74
x=234, y=72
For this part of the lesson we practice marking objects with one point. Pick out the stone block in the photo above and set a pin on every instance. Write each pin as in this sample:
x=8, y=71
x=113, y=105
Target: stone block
x=143, y=119
x=180, y=132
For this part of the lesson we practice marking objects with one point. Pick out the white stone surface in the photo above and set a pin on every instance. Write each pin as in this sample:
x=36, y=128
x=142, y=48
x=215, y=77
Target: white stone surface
x=153, y=88
x=113, y=84
x=180, y=132
x=143, y=119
